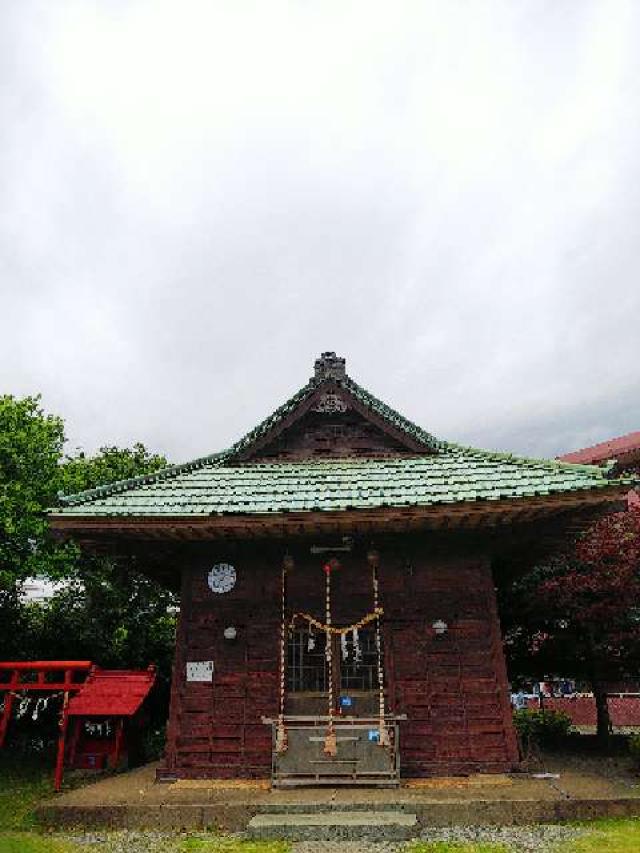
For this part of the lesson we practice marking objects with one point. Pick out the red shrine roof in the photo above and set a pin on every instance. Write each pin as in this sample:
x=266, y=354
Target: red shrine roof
x=614, y=448
x=112, y=693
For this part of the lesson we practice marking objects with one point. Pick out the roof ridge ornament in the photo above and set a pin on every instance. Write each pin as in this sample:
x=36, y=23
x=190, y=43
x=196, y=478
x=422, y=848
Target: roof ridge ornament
x=330, y=366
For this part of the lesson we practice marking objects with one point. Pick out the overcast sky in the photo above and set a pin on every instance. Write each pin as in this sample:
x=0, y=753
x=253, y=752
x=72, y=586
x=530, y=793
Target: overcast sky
x=197, y=198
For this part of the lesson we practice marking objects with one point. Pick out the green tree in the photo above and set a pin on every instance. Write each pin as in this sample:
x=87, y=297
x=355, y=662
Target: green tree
x=579, y=614
x=110, y=612
x=82, y=472
x=30, y=451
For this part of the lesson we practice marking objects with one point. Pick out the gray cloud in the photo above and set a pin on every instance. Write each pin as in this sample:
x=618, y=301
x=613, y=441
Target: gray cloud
x=198, y=198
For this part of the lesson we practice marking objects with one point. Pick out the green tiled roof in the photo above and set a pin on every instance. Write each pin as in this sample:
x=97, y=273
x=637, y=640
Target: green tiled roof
x=452, y=475
x=446, y=474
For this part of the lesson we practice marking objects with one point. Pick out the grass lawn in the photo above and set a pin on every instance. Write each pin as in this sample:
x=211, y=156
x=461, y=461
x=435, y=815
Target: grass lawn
x=23, y=782
x=607, y=836
x=30, y=842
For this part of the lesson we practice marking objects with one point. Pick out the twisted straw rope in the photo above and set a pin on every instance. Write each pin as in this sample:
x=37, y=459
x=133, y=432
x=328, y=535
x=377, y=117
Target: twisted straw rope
x=281, y=732
x=330, y=741
x=384, y=734
x=328, y=628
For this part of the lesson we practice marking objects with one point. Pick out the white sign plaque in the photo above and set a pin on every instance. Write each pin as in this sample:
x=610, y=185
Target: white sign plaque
x=200, y=670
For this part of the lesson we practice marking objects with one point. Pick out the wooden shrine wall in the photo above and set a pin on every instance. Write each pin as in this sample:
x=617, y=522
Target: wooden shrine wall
x=215, y=730
x=453, y=688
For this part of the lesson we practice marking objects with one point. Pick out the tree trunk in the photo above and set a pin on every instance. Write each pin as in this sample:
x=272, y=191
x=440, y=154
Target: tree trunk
x=603, y=720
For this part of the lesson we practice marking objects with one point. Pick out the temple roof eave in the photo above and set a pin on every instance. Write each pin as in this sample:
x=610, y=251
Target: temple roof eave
x=452, y=516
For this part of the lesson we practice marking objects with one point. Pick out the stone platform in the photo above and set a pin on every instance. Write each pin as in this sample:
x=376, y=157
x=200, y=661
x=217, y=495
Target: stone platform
x=135, y=800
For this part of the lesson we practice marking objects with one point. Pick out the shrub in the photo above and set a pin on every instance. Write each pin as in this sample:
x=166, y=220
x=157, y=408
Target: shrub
x=153, y=744
x=540, y=727
x=634, y=749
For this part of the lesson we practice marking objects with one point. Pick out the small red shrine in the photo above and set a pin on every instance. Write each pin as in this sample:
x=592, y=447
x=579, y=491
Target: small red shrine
x=106, y=717
x=338, y=619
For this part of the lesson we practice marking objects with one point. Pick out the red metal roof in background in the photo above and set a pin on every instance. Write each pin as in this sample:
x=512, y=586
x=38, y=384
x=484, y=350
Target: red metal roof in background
x=624, y=710
x=615, y=448
x=112, y=693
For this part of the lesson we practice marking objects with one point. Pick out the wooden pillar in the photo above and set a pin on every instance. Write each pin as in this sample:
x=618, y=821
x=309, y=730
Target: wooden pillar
x=73, y=743
x=64, y=722
x=500, y=669
x=118, y=745
x=169, y=763
x=8, y=707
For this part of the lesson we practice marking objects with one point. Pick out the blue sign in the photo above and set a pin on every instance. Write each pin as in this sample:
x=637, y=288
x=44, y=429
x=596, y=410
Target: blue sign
x=346, y=701
x=374, y=735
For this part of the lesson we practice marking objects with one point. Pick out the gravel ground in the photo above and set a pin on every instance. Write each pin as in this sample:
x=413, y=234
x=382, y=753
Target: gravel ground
x=128, y=841
x=518, y=839
x=154, y=842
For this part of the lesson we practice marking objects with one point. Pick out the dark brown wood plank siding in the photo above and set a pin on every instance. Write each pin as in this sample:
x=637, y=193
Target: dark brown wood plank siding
x=453, y=688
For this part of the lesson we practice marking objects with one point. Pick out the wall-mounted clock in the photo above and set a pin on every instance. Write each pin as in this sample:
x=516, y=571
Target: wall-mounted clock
x=222, y=578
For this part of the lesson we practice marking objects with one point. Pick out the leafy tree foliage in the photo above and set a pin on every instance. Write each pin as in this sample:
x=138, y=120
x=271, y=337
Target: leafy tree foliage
x=107, y=611
x=579, y=614
x=30, y=451
x=81, y=472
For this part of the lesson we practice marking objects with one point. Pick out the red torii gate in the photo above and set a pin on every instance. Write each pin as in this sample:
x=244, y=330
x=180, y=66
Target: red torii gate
x=16, y=683
x=41, y=668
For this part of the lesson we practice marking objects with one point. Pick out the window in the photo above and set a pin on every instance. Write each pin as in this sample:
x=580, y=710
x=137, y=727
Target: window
x=354, y=669
x=360, y=672
x=306, y=664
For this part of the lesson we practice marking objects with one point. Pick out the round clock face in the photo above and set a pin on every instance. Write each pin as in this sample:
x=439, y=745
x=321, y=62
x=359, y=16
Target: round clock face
x=222, y=578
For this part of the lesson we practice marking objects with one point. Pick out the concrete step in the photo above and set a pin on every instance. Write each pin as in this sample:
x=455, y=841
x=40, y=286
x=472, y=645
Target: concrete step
x=329, y=806
x=334, y=825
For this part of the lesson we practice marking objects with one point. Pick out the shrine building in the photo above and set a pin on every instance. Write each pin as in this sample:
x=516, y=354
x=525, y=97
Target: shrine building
x=338, y=618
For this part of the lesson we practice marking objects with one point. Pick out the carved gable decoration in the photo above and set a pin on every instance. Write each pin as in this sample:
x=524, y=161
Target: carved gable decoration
x=332, y=417
x=329, y=403
x=330, y=429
